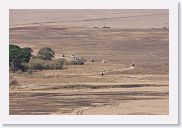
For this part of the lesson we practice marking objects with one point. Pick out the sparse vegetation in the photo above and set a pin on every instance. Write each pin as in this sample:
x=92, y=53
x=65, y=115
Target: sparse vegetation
x=41, y=64
x=21, y=60
x=74, y=61
x=106, y=84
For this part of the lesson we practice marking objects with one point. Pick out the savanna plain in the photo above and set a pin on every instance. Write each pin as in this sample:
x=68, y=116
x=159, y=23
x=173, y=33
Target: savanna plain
x=129, y=74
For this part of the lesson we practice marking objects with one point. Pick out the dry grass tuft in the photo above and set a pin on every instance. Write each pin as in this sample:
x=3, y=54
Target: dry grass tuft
x=74, y=61
x=40, y=64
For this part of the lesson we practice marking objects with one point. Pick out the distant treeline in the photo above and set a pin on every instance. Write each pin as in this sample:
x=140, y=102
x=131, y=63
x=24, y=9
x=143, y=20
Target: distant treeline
x=23, y=60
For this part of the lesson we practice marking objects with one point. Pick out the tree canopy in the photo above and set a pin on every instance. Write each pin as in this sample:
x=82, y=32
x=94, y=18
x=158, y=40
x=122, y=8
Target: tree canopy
x=27, y=54
x=18, y=56
x=46, y=53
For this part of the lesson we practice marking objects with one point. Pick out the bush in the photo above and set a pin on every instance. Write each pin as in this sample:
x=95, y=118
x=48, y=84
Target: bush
x=57, y=64
x=74, y=61
x=40, y=64
x=80, y=61
x=46, y=53
x=36, y=64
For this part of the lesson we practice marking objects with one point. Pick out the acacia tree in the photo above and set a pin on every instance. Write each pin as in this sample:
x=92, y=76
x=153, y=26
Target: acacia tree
x=18, y=56
x=46, y=53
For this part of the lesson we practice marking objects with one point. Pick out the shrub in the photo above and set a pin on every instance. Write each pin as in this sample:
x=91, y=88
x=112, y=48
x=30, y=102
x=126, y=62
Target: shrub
x=74, y=61
x=80, y=61
x=40, y=64
x=46, y=53
x=58, y=64
x=36, y=64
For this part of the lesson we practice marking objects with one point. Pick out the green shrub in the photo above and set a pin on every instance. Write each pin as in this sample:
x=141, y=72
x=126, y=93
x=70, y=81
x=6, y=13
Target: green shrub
x=18, y=56
x=40, y=64
x=46, y=53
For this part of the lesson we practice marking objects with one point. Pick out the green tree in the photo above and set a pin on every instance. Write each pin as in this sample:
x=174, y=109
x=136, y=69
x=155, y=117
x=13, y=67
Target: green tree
x=46, y=53
x=15, y=57
x=18, y=56
x=27, y=54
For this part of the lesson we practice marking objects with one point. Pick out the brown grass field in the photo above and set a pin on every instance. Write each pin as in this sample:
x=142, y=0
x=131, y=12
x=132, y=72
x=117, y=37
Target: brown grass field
x=80, y=89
